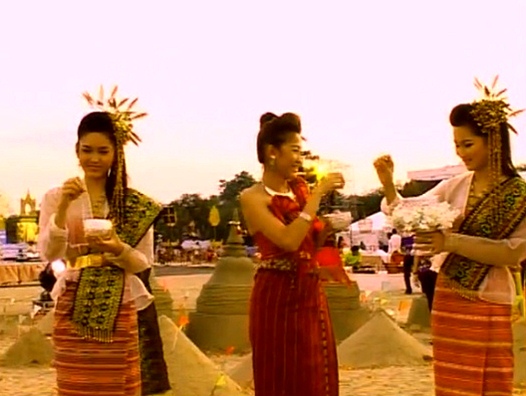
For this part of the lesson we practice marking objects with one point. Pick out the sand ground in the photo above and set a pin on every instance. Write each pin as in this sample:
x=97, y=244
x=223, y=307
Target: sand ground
x=405, y=381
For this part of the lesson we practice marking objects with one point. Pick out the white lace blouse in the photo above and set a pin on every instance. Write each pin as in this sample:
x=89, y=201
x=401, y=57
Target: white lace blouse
x=498, y=286
x=55, y=243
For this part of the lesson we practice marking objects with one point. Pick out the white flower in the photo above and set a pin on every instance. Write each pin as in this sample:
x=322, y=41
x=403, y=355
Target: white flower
x=423, y=214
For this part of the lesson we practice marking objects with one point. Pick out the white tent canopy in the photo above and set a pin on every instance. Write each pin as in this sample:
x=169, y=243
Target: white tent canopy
x=378, y=222
x=376, y=226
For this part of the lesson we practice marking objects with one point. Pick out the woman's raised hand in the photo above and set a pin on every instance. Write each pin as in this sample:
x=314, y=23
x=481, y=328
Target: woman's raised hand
x=71, y=190
x=331, y=182
x=384, y=166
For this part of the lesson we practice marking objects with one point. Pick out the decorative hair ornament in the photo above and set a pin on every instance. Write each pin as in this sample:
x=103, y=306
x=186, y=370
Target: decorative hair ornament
x=490, y=112
x=122, y=114
x=492, y=109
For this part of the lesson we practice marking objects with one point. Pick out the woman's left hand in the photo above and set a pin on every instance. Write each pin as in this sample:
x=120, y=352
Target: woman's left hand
x=430, y=242
x=111, y=245
x=328, y=229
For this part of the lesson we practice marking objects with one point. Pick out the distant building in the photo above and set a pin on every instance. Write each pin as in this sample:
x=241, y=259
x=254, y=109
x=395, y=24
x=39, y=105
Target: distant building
x=446, y=172
x=23, y=227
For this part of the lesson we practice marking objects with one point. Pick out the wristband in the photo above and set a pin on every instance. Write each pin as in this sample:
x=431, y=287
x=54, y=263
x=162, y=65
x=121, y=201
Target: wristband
x=305, y=216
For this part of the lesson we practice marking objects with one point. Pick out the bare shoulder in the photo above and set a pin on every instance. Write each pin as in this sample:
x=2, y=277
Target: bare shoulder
x=252, y=195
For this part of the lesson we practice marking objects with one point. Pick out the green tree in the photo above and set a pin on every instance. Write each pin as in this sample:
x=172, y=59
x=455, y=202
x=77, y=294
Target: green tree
x=194, y=208
x=414, y=188
x=229, y=190
x=335, y=200
x=370, y=202
x=228, y=199
x=188, y=208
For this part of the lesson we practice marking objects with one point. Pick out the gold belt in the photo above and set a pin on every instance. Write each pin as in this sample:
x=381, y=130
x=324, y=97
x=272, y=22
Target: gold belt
x=283, y=265
x=279, y=265
x=88, y=260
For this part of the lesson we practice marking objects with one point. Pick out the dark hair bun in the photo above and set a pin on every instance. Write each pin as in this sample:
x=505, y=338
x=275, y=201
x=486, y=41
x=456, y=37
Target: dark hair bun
x=267, y=117
x=461, y=115
x=274, y=130
x=291, y=121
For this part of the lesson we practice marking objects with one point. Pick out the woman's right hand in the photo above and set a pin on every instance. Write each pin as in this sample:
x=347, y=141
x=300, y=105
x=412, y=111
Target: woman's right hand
x=71, y=190
x=330, y=183
x=384, y=166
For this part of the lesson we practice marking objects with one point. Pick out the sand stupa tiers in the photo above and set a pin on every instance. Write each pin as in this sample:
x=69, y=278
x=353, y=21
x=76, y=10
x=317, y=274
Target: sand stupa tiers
x=382, y=343
x=163, y=299
x=347, y=313
x=32, y=348
x=190, y=371
x=221, y=317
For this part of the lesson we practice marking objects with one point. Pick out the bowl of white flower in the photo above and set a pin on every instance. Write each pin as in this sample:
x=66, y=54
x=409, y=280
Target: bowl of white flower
x=423, y=214
x=98, y=228
x=339, y=220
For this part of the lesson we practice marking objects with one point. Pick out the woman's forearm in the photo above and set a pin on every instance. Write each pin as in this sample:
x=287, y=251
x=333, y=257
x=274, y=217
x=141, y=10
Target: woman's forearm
x=390, y=193
x=502, y=253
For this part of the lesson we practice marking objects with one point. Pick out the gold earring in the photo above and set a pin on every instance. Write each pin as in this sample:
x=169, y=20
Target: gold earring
x=272, y=162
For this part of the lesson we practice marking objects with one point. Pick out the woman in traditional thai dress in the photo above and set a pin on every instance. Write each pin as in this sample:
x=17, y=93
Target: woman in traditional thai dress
x=291, y=334
x=477, y=283
x=102, y=345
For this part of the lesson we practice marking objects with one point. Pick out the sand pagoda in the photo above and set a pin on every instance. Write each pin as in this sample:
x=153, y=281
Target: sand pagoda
x=347, y=312
x=31, y=348
x=382, y=343
x=221, y=317
x=190, y=371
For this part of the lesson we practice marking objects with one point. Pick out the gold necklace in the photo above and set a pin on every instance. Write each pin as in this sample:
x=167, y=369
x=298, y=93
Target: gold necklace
x=472, y=190
x=97, y=206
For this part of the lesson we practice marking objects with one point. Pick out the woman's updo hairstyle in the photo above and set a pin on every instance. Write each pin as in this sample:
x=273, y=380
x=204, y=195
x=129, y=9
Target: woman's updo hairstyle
x=462, y=116
x=275, y=130
x=97, y=121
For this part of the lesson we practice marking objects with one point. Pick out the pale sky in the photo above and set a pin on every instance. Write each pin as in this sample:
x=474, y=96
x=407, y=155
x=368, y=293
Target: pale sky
x=366, y=77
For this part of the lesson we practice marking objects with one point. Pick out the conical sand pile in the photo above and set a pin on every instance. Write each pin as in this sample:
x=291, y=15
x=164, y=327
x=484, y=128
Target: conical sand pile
x=31, y=348
x=382, y=343
x=45, y=325
x=242, y=372
x=419, y=314
x=519, y=350
x=190, y=371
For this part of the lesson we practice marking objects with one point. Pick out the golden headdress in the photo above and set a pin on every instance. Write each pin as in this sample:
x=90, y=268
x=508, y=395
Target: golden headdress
x=490, y=112
x=122, y=114
x=492, y=109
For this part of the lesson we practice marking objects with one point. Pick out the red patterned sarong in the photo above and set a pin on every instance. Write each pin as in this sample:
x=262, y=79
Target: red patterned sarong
x=86, y=367
x=294, y=352
x=472, y=344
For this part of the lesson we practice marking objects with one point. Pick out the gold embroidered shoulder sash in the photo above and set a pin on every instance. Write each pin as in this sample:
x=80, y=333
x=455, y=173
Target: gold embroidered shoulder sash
x=100, y=289
x=466, y=275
